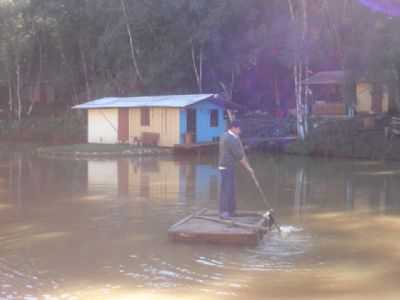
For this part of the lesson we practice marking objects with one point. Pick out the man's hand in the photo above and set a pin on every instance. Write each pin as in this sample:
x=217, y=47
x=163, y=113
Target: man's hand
x=247, y=166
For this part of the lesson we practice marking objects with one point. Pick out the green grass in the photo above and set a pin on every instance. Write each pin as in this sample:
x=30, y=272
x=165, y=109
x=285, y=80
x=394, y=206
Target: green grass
x=101, y=150
x=91, y=148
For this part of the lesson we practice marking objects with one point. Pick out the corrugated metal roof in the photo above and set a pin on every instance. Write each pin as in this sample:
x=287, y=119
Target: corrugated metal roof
x=326, y=77
x=147, y=101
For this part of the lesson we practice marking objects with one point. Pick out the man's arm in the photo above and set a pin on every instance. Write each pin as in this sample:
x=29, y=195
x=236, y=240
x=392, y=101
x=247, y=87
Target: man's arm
x=246, y=165
x=243, y=160
x=237, y=150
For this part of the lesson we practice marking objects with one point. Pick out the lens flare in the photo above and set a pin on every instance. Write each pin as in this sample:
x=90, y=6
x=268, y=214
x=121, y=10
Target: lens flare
x=388, y=7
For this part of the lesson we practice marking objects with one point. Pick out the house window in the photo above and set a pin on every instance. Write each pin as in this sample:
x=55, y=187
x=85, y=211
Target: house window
x=145, y=116
x=214, y=118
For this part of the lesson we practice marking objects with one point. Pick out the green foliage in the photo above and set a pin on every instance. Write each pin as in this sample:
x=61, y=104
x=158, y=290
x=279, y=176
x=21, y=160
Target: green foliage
x=83, y=49
x=348, y=139
x=67, y=128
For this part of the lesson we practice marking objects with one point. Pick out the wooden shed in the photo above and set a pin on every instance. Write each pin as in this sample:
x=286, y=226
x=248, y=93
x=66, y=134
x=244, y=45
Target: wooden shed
x=164, y=121
x=327, y=95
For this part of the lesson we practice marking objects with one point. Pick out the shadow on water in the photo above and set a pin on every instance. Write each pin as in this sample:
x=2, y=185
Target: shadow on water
x=97, y=228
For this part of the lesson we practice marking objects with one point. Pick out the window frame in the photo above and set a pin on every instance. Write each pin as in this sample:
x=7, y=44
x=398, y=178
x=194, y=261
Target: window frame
x=145, y=116
x=214, y=118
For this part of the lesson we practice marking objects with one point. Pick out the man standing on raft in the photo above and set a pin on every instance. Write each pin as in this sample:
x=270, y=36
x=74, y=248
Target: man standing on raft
x=231, y=152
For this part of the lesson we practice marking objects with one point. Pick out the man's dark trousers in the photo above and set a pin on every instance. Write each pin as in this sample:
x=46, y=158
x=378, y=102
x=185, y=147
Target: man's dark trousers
x=227, y=203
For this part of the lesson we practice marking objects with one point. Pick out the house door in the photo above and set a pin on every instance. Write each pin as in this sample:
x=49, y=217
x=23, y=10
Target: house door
x=192, y=123
x=376, y=99
x=123, y=125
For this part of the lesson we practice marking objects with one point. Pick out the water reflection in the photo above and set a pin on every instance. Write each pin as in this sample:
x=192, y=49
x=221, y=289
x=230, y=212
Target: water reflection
x=293, y=185
x=151, y=179
x=306, y=185
x=26, y=181
x=320, y=185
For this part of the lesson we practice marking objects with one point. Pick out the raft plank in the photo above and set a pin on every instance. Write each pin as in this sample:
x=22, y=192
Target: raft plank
x=184, y=220
x=234, y=223
x=242, y=229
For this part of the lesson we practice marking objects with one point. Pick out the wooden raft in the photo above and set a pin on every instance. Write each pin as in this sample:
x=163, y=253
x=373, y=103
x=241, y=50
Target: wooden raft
x=246, y=228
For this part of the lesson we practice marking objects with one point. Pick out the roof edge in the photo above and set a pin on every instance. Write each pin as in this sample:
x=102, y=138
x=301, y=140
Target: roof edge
x=157, y=101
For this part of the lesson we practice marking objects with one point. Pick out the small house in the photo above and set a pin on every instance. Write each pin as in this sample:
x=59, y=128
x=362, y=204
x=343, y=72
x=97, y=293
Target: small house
x=164, y=121
x=327, y=97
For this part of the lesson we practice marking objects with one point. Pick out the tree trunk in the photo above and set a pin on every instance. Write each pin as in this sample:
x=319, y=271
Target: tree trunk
x=85, y=72
x=38, y=81
x=333, y=28
x=198, y=67
x=131, y=42
x=299, y=67
x=65, y=63
x=306, y=69
x=297, y=70
x=10, y=92
x=228, y=93
x=19, y=86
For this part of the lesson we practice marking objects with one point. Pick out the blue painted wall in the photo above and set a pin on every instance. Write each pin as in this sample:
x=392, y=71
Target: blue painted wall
x=205, y=133
x=183, y=126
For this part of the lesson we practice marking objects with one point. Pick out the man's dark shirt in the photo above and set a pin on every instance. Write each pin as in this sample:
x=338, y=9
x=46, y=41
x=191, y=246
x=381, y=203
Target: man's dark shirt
x=230, y=150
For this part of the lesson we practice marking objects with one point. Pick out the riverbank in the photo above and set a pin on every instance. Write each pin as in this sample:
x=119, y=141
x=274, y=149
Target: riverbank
x=68, y=128
x=351, y=138
x=355, y=138
x=101, y=150
x=12, y=148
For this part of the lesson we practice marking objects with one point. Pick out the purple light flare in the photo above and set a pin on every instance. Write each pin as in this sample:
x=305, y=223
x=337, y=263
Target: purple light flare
x=388, y=7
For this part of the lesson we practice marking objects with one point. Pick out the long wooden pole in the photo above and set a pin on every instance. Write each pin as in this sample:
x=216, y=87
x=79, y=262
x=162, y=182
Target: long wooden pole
x=260, y=190
x=264, y=197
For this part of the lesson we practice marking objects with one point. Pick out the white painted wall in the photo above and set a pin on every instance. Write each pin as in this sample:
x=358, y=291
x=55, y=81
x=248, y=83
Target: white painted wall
x=103, y=126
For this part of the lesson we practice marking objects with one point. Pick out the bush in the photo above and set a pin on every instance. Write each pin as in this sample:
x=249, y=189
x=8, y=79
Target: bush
x=66, y=128
x=345, y=138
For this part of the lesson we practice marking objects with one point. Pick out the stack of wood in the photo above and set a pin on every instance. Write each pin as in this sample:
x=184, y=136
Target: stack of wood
x=393, y=128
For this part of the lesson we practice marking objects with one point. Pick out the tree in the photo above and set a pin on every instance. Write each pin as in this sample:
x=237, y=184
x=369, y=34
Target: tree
x=299, y=16
x=256, y=53
x=17, y=37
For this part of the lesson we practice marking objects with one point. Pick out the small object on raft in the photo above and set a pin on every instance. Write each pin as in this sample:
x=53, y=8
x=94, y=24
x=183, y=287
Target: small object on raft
x=245, y=228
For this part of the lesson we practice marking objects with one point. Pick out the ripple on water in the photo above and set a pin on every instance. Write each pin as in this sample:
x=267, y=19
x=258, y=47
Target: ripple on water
x=274, y=252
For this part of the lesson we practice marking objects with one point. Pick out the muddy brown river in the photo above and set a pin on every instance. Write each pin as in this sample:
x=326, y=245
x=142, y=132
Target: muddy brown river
x=97, y=229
